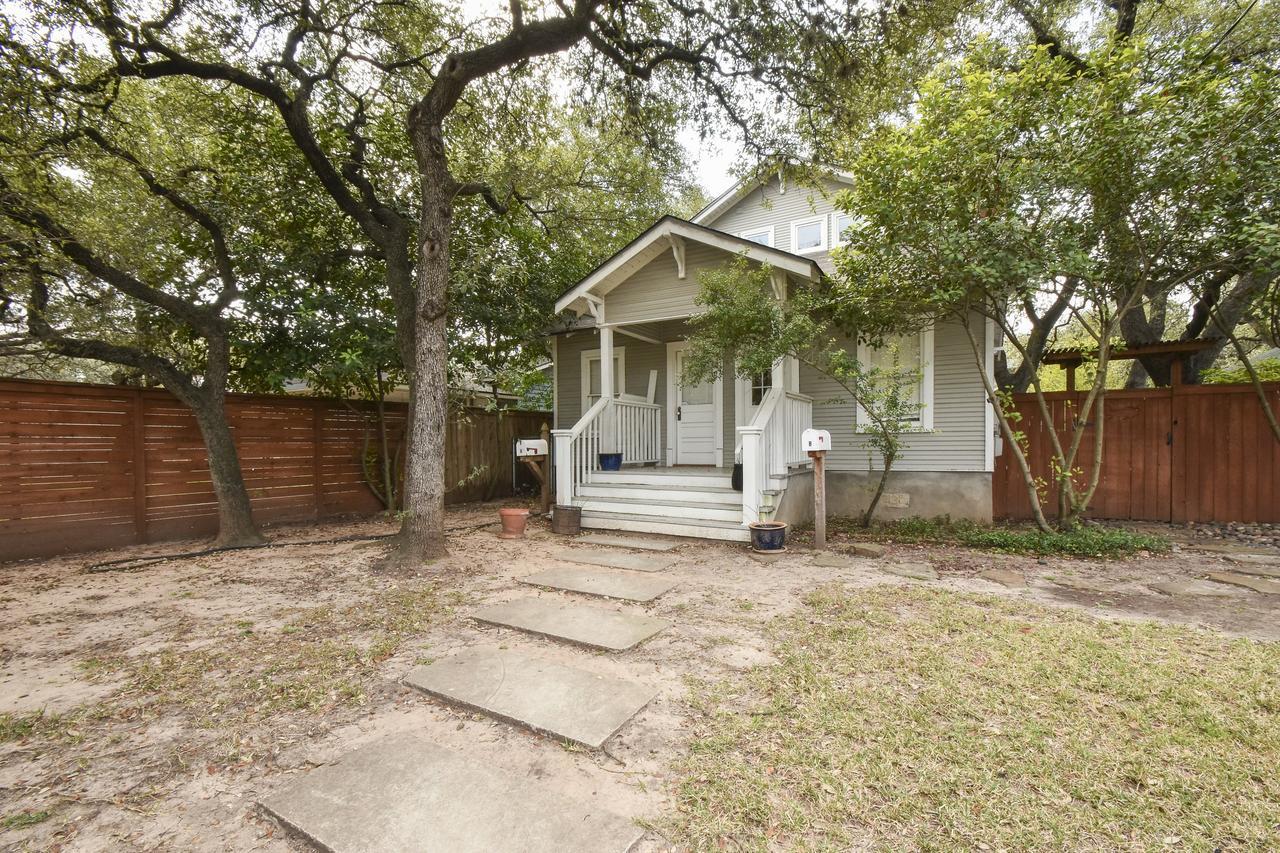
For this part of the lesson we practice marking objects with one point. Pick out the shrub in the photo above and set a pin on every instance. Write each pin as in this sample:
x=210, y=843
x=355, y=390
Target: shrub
x=1099, y=542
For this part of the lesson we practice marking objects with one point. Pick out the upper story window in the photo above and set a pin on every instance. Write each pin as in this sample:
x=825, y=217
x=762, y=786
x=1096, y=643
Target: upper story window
x=840, y=225
x=763, y=236
x=809, y=235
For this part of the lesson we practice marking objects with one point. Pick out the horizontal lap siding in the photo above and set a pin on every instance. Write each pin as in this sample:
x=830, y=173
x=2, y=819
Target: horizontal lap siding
x=71, y=478
x=766, y=206
x=958, y=439
x=655, y=292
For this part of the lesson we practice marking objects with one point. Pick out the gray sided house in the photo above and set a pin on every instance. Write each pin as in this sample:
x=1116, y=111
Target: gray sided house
x=679, y=444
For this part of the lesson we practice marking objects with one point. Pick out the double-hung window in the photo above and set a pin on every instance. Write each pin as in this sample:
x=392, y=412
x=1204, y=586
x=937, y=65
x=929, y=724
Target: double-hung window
x=591, y=375
x=763, y=236
x=905, y=354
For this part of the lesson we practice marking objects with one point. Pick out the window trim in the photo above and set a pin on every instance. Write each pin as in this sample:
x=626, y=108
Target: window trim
x=771, y=230
x=861, y=423
x=821, y=222
x=620, y=353
x=835, y=232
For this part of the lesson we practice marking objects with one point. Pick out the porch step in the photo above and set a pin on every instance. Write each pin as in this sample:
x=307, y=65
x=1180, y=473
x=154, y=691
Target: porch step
x=689, y=507
x=663, y=493
x=714, y=478
x=732, y=531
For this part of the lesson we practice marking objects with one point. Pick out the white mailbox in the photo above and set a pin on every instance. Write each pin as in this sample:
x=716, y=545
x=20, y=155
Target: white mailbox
x=530, y=447
x=815, y=439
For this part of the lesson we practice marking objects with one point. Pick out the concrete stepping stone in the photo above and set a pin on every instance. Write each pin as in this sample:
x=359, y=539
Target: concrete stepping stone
x=569, y=703
x=866, y=549
x=628, y=542
x=1256, y=584
x=597, y=627
x=1192, y=587
x=1256, y=564
x=631, y=586
x=828, y=560
x=614, y=559
x=915, y=571
x=405, y=793
x=1004, y=577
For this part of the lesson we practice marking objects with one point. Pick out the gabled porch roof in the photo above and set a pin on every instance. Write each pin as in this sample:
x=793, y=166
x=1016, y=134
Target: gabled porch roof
x=669, y=234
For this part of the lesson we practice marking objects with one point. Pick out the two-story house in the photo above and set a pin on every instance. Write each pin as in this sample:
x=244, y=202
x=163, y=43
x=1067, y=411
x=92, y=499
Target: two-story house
x=679, y=443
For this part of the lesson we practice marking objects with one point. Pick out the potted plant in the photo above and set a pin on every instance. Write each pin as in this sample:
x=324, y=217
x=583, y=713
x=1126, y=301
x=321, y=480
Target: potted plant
x=610, y=461
x=768, y=536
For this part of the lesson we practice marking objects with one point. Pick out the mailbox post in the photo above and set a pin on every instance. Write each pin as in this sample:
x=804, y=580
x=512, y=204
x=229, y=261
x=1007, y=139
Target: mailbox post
x=816, y=443
x=533, y=452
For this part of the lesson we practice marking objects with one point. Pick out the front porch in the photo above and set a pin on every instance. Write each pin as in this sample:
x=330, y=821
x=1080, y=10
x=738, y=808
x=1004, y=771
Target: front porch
x=679, y=443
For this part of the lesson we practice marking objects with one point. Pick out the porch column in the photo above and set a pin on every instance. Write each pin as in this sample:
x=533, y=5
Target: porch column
x=752, y=440
x=562, y=455
x=608, y=431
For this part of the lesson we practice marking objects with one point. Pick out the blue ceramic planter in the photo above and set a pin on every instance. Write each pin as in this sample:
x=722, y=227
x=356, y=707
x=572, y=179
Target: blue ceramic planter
x=768, y=535
x=610, y=461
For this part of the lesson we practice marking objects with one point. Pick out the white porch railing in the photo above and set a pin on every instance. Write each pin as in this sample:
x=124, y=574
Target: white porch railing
x=609, y=426
x=771, y=445
x=638, y=430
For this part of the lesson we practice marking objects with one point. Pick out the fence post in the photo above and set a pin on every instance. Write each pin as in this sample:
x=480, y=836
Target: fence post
x=139, y=467
x=317, y=426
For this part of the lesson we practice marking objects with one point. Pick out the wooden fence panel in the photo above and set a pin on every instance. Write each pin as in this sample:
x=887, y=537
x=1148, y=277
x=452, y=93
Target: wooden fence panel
x=1200, y=453
x=87, y=466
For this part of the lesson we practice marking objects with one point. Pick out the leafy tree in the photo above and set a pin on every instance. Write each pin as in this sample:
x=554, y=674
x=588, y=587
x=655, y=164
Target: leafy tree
x=746, y=325
x=126, y=238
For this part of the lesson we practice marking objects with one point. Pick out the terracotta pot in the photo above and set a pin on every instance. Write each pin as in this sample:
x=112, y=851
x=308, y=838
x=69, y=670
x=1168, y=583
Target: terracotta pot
x=513, y=522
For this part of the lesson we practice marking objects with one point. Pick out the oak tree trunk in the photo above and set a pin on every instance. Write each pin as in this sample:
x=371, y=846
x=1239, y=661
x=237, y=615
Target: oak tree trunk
x=422, y=530
x=235, y=517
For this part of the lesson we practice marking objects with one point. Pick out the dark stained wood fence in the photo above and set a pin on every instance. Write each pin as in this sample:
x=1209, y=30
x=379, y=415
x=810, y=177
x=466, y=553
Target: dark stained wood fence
x=1201, y=453
x=93, y=466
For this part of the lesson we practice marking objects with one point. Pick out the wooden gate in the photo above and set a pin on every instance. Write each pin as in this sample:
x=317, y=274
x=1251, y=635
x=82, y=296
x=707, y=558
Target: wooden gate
x=1185, y=453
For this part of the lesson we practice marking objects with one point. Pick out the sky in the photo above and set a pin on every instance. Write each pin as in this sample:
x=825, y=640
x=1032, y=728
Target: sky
x=711, y=160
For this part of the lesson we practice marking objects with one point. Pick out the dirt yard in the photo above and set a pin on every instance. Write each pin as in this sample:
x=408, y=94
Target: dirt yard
x=149, y=709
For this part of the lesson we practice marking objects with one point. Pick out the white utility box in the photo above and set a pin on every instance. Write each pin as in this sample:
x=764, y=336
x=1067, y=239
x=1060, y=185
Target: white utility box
x=530, y=447
x=815, y=439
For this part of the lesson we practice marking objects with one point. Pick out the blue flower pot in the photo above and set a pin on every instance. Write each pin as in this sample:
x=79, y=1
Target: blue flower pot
x=610, y=461
x=768, y=535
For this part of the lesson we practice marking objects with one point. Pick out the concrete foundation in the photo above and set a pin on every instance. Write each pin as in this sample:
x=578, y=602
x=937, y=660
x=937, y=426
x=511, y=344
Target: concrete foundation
x=908, y=494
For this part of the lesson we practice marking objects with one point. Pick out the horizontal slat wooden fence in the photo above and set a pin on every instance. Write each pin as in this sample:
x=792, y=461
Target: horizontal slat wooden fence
x=92, y=466
x=1199, y=453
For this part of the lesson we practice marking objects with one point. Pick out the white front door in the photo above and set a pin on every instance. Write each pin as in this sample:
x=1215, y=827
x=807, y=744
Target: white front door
x=694, y=416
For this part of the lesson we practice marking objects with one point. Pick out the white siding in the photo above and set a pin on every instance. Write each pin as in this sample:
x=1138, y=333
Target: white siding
x=958, y=439
x=767, y=206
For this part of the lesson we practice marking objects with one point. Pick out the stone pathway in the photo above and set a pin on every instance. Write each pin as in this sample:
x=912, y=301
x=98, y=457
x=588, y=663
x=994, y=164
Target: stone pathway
x=597, y=627
x=614, y=559
x=1269, y=587
x=630, y=586
x=1193, y=587
x=405, y=793
x=570, y=703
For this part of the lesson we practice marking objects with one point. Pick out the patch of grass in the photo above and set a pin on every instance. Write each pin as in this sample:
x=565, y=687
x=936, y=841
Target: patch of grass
x=1098, y=542
x=21, y=820
x=902, y=718
x=322, y=658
